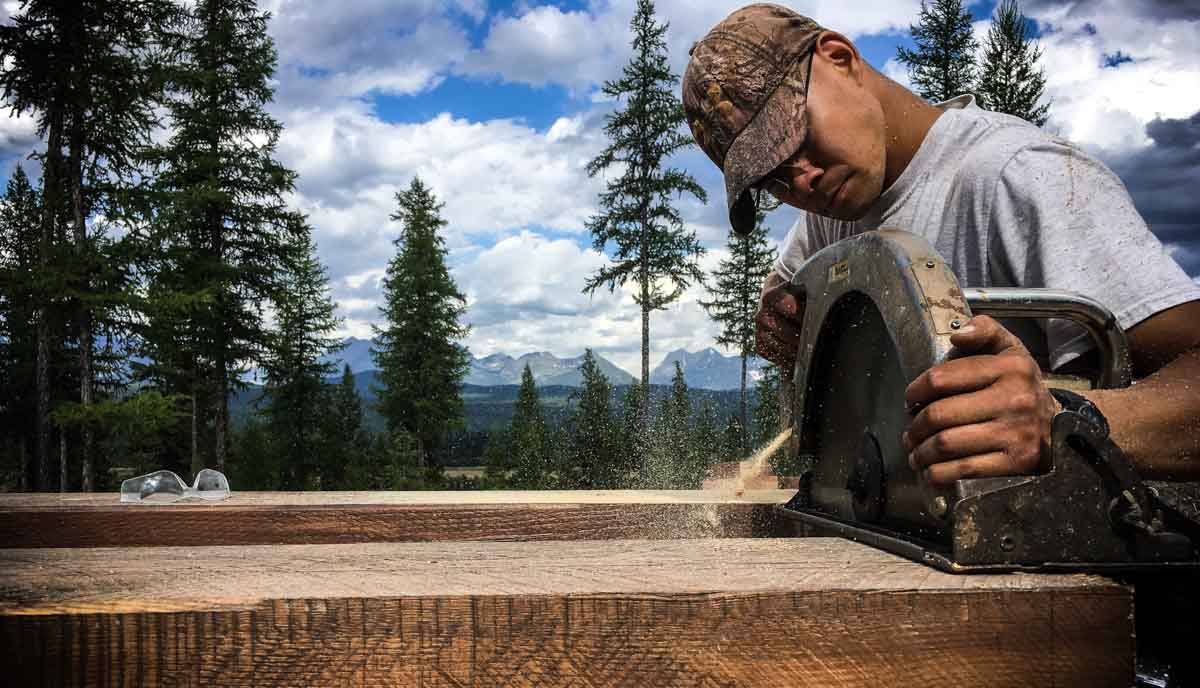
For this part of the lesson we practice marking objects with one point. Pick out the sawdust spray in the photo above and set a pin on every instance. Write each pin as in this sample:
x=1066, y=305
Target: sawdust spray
x=757, y=465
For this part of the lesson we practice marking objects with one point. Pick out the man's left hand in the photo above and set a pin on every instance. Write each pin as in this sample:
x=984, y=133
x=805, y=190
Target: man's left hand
x=985, y=413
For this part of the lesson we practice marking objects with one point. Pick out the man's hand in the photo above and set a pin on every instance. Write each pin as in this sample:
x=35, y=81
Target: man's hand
x=777, y=324
x=986, y=413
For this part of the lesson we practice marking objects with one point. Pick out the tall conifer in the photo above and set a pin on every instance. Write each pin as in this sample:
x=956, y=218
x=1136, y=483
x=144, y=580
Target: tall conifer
x=705, y=445
x=596, y=461
x=84, y=70
x=652, y=248
x=633, y=439
x=529, y=438
x=420, y=360
x=223, y=231
x=766, y=406
x=767, y=421
x=735, y=293
x=344, y=428
x=1010, y=79
x=671, y=445
x=943, y=65
x=295, y=364
x=733, y=438
x=19, y=216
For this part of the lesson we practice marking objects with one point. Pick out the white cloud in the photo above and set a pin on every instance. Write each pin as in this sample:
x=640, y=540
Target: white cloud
x=582, y=48
x=357, y=281
x=547, y=45
x=333, y=50
x=1108, y=107
x=898, y=72
x=525, y=294
x=18, y=135
x=493, y=176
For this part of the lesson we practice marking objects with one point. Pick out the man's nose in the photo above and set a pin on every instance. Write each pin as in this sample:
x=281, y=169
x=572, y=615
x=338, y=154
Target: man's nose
x=805, y=176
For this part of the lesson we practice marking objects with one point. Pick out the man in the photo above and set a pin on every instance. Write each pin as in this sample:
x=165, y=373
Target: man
x=785, y=107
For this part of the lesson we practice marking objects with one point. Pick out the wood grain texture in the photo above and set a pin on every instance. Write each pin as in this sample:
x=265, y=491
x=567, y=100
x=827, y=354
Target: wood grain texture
x=761, y=612
x=279, y=518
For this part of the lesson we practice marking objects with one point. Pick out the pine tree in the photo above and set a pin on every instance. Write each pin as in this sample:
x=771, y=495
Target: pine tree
x=767, y=423
x=84, y=69
x=633, y=440
x=766, y=406
x=595, y=462
x=256, y=463
x=733, y=438
x=344, y=428
x=670, y=448
x=738, y=282
x=652, y=248
x=943, y=65
x=705, y=445
x=391, y=462
x=20, y=214
x=529, y=440
x=421, y=364
x=1010, y=79
x=497, y=459
x=223, y=232
x=295, y=364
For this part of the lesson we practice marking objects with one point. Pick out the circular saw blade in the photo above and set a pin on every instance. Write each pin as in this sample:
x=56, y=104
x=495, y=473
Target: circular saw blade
x=878, y=313
x=856, y=404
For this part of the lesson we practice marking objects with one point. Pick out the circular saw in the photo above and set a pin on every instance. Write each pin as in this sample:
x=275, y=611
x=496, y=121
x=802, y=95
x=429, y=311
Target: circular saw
x=879, y=310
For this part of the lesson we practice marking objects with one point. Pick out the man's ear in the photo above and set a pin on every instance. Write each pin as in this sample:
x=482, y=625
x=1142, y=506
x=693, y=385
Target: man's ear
x=839, y=52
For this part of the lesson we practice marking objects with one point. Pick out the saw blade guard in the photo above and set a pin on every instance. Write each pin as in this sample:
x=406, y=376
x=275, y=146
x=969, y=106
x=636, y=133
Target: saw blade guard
x=880, y=308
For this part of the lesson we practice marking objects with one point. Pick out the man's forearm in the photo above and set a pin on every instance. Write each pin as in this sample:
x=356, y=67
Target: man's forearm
x=1157, y=421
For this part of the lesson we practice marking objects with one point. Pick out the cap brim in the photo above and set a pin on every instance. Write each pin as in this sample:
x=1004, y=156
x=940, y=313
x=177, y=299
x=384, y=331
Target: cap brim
x=742, y=213
x=776, y=132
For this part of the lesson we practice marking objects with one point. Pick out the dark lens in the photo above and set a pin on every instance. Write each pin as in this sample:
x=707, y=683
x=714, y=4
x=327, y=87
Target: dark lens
x=777, y=188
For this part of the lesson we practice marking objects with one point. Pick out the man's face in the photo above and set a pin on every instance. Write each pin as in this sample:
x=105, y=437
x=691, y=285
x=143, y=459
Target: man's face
x=839, y=171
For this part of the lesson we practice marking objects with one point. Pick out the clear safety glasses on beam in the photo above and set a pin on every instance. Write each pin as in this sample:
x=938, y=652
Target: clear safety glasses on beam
x=165, y=487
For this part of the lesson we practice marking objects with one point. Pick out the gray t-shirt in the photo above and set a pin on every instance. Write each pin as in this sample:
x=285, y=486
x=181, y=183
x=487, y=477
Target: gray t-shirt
x=1009, y=205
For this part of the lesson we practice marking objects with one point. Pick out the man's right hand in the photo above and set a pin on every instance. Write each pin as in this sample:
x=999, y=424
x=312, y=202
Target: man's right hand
x=777, y=324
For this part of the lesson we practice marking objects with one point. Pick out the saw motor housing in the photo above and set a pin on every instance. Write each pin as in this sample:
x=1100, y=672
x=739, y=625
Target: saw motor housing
x=880, y=309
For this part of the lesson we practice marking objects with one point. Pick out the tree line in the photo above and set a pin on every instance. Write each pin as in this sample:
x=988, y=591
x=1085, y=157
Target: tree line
x=601, y=444
x=156, y=261
x=1004, y=77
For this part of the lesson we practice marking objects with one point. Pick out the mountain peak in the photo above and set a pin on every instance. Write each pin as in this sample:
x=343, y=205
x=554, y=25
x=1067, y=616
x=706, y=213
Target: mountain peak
x=707, y=368
x=547, y=369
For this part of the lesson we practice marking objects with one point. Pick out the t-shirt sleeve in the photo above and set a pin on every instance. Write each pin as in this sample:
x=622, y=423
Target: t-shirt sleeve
x=803, y=239
x=1061, y=219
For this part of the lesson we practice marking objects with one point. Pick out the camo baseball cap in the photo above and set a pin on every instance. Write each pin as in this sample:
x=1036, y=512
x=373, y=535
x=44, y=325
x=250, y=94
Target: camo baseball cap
x=745, y=94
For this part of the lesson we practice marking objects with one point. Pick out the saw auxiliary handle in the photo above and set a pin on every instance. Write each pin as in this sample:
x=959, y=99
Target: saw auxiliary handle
x=880, y=309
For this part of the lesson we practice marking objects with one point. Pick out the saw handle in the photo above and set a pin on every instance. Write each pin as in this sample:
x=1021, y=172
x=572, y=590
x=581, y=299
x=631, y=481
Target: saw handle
x=1093, y=316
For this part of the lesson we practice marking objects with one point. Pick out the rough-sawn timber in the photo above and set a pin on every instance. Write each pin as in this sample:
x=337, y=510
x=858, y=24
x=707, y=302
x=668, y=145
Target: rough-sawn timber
x=762, y=612
x=295, y=518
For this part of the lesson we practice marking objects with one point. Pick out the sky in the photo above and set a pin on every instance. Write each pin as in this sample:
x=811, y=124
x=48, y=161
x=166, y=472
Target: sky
x=497, y=107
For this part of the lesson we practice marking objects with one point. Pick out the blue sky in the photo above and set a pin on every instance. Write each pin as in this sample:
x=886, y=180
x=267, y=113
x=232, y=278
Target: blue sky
x=496, y=106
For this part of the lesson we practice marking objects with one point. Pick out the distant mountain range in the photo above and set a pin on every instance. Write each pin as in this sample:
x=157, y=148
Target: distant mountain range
x=548, y=370
x=706, y=369
x=487, y=408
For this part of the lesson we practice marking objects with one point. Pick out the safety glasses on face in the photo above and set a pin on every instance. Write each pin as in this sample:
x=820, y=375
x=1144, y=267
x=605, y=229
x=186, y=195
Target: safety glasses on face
x=165, y=487
x=776, y=182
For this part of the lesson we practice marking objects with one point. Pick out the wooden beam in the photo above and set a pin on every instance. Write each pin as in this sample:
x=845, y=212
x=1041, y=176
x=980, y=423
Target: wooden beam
x=278, y=518
x=761, y=612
